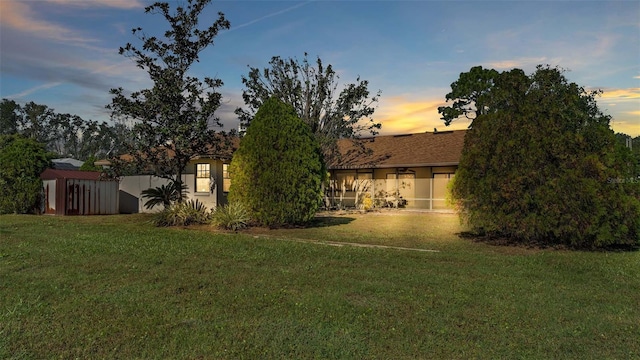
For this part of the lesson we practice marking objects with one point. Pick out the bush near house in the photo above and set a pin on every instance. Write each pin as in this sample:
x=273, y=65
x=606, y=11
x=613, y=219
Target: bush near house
x=278, y=169
x=22, y=160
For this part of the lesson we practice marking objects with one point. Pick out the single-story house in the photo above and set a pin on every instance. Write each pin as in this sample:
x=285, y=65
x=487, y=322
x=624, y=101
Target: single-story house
x=411, y=170
x=73, y=192
x=206, y=177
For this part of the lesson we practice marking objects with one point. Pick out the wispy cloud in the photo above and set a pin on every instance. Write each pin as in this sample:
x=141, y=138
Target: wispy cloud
x=527, y=62
x=404, y=114
x=33, y=90
x=120, y=4
x=18, y=15
x=621, y=94
x=280, y=12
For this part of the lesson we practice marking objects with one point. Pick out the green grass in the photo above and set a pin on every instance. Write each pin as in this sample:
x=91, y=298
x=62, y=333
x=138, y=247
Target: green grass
x=117, y=287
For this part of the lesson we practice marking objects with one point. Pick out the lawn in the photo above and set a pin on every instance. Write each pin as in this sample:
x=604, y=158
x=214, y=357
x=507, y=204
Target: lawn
x=117, y=287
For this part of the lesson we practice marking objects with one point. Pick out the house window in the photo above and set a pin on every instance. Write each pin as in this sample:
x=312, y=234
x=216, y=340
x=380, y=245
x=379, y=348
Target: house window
x=226, y=178
x=203, y=178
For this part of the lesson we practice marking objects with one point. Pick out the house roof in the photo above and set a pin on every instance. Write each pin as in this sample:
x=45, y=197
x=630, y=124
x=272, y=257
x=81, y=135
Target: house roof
x=442, y=148
x=52, y=174
x=223, y=149
x=67, y=164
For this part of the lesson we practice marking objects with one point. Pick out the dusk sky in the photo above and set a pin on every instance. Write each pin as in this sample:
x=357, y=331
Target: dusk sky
x=64, y=53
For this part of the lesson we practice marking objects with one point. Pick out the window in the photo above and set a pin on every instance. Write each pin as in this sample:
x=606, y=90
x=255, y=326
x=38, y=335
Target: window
x=226, y=178
x=203, y=178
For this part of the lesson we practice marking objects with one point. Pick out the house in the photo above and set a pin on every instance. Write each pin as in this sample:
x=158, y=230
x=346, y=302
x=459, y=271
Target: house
x=411, y=170
x=67, y=164
x=72, y=192
x=206, y=177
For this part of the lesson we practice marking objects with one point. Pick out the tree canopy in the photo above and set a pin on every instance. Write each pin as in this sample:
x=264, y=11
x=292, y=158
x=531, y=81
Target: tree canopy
x=313, y=92
x=173, y=119
x=277, y=170
x=544, y=166
x=470, y=95
x=66, y=135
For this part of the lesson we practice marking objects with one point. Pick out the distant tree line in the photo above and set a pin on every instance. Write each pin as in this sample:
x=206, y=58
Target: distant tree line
x=65, y=135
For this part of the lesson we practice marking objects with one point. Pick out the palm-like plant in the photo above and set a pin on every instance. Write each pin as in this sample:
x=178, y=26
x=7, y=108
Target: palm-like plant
x=164, y=194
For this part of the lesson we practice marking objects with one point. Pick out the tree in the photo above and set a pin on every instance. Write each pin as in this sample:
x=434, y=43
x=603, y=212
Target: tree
x=10, y=117
x=66, y=135
x=278, y=170
x=22, y=160
x=543, y=166
x=470, y=95
x=312, y=92
x=173, y=117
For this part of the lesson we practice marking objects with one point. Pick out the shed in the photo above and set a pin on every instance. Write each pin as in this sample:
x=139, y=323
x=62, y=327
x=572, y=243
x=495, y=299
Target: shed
x=70, y=192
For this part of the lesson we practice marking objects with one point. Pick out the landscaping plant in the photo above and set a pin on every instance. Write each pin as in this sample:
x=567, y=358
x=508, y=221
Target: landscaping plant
x=278, y=169
x=182, y=214
x=232, y=216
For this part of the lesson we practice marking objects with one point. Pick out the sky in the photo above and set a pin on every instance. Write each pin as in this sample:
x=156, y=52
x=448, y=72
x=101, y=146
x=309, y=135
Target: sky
x=64, y=53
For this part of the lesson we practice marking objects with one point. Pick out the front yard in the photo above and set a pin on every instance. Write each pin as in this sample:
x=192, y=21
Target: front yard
x=117, y=287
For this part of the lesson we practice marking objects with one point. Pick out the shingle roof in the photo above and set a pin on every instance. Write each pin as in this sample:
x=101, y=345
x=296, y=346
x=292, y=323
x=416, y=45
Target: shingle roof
x=422, y=149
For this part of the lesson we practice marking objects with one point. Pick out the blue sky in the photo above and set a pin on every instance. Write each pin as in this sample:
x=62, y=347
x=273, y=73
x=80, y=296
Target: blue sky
x=64, y=53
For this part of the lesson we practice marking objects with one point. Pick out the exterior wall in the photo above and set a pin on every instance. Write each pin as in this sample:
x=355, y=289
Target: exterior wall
x=131, y=187
x=80, y=197
x=413, y=188
x=49, y=201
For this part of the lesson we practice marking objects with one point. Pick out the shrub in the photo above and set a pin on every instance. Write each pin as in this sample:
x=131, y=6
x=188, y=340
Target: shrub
x=163, y=195
x=183, y=214
x=278, y=170
x=22, y=161
x=232, y=216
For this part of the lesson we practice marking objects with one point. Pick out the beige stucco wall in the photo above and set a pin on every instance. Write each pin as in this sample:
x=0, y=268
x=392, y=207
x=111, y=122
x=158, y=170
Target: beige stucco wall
x=131, y=188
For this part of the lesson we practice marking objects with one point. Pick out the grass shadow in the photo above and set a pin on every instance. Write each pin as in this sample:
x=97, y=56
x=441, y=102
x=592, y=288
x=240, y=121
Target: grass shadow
x=328, y=221
x=496, y=240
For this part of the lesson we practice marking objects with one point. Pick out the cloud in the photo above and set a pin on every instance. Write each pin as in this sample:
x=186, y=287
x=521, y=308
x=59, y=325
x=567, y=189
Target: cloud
x=280, y=12
x=405, y=114
x=18, y=15
x=34, y=89
x=621, y=94
x=527, y=62
x=119, y=4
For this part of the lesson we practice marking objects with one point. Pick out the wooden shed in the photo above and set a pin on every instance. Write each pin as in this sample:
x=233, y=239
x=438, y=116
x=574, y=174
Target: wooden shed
x=69, y=192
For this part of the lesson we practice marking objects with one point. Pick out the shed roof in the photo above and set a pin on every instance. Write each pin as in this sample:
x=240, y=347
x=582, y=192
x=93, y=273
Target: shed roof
x=442, y=148
x=52, y=174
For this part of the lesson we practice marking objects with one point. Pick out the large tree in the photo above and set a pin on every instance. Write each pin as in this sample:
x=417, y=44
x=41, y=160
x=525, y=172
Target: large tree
x=544, y=166
x=331, y=111
x=173, y=118
x=278, y=170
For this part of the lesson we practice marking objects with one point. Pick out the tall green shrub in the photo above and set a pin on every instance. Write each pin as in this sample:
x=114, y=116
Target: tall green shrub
x=543, y=166
x=277, y=170
x=22, y=161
